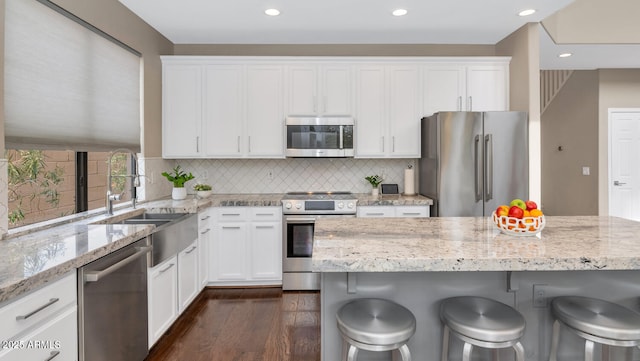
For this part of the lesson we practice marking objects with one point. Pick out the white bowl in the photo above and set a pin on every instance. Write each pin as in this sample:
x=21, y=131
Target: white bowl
x=526, y=226
x=203, y=194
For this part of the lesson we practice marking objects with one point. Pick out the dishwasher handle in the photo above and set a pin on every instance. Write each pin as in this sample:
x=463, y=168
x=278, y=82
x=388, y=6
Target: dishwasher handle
x=94, y=276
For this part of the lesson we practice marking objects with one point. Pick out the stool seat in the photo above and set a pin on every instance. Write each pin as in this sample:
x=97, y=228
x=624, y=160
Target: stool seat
x=597, y=317
x=376, y=321
x=482, y=319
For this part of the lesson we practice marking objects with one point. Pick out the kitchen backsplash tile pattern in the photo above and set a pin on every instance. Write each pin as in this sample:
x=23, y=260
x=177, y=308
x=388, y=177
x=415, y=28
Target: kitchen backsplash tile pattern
x=295, y=174
x=153, y=184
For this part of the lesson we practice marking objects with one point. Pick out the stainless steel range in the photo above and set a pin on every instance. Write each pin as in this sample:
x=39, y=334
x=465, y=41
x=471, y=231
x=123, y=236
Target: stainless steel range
x=301, y=210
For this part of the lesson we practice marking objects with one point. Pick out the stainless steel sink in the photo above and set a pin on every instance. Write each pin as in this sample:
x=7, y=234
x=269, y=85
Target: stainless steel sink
x=173, y=232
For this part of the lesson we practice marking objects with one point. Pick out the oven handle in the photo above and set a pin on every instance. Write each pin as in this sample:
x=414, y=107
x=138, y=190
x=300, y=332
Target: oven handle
x=300, y=219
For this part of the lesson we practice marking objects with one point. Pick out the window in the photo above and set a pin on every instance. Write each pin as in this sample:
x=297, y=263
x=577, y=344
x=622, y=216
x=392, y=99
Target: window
x=71, y=95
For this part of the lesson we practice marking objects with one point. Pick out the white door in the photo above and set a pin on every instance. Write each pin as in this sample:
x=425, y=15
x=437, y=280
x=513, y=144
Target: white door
x=624, y=148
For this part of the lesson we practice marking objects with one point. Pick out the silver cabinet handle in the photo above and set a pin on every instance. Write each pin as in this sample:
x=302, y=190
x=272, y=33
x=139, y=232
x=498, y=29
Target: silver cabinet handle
x=393, y=144
x=191, y=250
x=198, y=144
x=52, y=355
x=94, y=276
x=488, y=167
x=374, y=214
x=315, y=107
x=238, y=144
x=249, y=144
x=383, y=143
x=205, y=232
x=265, y=214
x=410, y=214
x=617, y=183
x=324, y=104
x=264, y=227
x=460, y=103
x=205, y=218
x=470, y=103
x=229, y=227
x=51, y=302
x=230, y=214
x=167, y=268
x=477, y=170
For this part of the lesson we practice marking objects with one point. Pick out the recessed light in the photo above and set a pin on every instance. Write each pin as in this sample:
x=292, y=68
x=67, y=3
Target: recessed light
x=527, y=12
x=564, y=55
x=272, y=12
x=399, y=12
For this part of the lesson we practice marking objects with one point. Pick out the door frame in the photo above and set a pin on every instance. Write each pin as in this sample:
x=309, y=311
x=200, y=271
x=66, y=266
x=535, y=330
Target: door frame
x=610, y=112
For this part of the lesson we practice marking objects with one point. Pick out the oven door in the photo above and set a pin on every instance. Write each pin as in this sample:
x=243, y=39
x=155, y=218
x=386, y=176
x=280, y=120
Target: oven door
x=298, y=241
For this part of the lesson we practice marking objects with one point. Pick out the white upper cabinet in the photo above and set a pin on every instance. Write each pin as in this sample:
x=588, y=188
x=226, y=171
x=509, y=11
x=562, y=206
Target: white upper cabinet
x=319, y=90
x=388, y=111
x=470, y=86
x=181, y=110
x=264, y=112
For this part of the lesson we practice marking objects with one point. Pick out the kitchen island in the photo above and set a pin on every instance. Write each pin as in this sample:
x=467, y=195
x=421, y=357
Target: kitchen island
x=419, y=262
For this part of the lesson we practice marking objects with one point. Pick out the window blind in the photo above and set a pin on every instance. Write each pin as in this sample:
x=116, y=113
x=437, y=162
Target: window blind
x=66, y=86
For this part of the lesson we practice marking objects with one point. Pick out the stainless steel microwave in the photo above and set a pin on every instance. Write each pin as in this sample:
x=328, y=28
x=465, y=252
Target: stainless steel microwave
x=315, y=137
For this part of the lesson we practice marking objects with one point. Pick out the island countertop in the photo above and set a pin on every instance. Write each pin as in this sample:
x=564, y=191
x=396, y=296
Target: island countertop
x=473, y=244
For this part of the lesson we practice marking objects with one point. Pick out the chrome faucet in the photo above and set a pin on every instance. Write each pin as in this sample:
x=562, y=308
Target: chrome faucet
x=135, y=177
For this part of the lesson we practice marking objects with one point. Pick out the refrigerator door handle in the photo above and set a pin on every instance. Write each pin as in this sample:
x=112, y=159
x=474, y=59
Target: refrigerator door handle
x=488, y=171
x=477, y=169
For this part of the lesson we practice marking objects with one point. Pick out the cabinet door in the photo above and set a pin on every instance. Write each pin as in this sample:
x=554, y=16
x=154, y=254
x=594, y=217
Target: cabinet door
x=302, y=90
x=163, y=298
x=376, y=211
x=229, y=255
x=266, y=250
x=265, y=118
x=444, y=88
x=181, y=111
x=371, y=129
x=223, y=116
x=188, y=281
x=336, y=90
x=204, y=241
x=404, y=111
x=487, y=88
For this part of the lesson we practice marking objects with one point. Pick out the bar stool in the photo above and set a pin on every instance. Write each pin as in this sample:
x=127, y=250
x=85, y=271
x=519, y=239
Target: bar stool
x=375, y=325
x=482, y=322
x=596, y=321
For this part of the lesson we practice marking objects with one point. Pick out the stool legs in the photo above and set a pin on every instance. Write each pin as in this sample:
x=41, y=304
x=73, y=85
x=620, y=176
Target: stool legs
x=349, y=352
x=519, y=351
x=445, y=343
x=554, y=341
x=404, y=352
x=466, y=351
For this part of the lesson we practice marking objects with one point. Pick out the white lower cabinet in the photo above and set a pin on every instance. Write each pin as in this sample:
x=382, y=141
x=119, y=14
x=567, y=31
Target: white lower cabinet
x=188, y=280
x=42, y=324
x=246, y=248
x=393, y=211
x=163, y=297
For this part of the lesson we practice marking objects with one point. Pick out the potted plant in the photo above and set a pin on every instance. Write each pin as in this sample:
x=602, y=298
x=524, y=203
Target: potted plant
x=178, y=177
x=375, y=181
x=202, y=190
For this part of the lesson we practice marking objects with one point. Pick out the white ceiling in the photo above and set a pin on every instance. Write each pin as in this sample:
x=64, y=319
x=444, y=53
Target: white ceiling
x=371, y=22
x=339, y=21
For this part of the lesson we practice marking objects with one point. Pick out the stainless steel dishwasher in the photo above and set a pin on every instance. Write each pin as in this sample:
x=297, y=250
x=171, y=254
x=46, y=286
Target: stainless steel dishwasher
x=112, y=295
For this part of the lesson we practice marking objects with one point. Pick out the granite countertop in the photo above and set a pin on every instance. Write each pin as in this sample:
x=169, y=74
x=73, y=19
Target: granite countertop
x=473, y=244
x=30, y=258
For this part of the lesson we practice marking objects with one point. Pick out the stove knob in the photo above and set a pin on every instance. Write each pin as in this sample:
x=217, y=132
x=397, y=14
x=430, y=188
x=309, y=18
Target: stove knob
x=298, y=205
x=350, y=205
x=287, y=205
x=340, y=205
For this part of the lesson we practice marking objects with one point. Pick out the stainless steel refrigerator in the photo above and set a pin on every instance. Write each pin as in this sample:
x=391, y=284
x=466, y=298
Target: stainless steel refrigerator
x=474, y=161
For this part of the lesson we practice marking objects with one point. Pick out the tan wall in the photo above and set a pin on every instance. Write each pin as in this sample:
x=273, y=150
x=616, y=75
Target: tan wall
x=619, y=88
x=524, y=92
x=596, y=22
x=335, y=50
x=116, y=20
x=571, y=122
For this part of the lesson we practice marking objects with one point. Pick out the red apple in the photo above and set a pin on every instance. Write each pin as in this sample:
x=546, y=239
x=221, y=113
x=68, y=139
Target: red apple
x=531, y=205
x=516, y=212
x=502, y=211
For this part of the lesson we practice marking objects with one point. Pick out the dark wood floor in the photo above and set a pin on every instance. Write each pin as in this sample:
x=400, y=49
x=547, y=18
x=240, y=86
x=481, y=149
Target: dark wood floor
x=262, y=324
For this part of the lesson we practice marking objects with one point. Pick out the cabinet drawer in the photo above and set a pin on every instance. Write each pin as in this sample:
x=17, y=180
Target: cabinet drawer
x=412, y=211
x=17, y=316
x=376, y=211
x=233, y=214
x=266, y=214
x=55, y=340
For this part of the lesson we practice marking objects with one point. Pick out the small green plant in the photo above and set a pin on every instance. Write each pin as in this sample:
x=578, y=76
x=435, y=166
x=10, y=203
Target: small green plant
x=375, y=180
x=178, y=177
x=201, y=187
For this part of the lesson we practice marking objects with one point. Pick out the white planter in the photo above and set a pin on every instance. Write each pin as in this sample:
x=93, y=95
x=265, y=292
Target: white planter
x=179, y=193
x=203, y=194
x=374, y=192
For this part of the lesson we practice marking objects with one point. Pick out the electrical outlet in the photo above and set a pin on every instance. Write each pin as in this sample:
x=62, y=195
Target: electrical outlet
x=586, y=171
x=270, y=174
x=539, y=296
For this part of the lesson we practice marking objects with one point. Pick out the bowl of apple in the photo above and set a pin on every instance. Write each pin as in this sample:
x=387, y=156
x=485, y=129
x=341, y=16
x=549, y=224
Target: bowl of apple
x=519, y=218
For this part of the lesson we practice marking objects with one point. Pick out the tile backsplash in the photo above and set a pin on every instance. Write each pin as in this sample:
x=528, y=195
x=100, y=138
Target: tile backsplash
x=293, y=174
